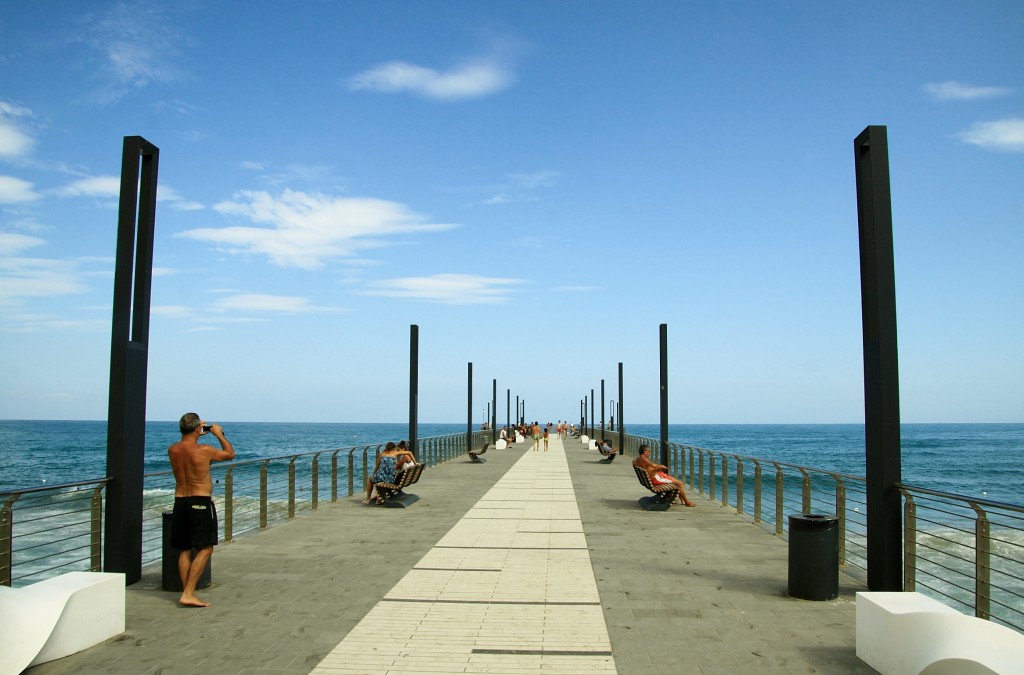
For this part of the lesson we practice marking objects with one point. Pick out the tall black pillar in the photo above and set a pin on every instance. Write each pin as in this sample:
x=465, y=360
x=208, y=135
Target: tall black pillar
x=591, y=413
x=881, y=371
x=602, y=409
x=663, y=438
x=129, y=358
x=414, y=386
x=494, y=411
x=469, y=408
x=622, y=420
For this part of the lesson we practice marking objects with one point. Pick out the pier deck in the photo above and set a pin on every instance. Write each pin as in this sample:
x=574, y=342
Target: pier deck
x=531, y=562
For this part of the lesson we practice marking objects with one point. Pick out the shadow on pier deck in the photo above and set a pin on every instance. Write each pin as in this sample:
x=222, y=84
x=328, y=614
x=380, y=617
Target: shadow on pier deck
x=684, y=591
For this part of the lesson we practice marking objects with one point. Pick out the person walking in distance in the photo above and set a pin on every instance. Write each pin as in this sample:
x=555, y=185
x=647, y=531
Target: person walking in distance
x=194, y=522
x=535, y=433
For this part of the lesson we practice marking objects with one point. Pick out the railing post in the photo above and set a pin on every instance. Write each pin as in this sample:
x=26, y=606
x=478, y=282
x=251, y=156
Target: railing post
x=691, y=467
x=757, y=491
x=229, y=503
x=96, y=530
x=700, y=478
x=725, y=480
x=779, y=497
x=739, y=485
x=351, y=472
x=711, y=475
x=291, y=488
x=909, y=543
x=841, y=513
x=805, y=491
x=316, y=480
x=982, y=562
x=263, y=495
x=7, y=540
x=334, y=475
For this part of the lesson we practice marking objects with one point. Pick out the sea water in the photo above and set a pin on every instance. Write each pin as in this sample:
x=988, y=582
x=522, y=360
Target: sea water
x=984, y=461
x=975, y=460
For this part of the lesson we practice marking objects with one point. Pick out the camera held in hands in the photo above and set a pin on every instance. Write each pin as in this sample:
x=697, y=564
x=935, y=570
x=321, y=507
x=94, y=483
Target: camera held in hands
x=206, y=428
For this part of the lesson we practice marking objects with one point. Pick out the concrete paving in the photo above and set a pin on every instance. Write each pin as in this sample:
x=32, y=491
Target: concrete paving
x=683, y=591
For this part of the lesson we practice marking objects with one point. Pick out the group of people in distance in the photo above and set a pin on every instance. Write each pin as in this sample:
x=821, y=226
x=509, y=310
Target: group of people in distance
x=393, y=459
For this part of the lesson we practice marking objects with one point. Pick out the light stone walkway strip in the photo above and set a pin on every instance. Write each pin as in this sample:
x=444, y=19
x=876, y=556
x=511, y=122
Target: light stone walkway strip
x=509, y=589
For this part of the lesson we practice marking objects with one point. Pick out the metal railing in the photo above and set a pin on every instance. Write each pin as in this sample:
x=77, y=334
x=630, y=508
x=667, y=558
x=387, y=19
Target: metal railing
x=960, y=550
x=965, y=552
x=50, y=530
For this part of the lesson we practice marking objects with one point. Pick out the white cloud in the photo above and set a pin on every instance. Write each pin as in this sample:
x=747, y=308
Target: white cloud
x=135, y=42
x=15, y=190
x=13, y=244
x=168, y=195
x=472, y=79
x=94, y=186
x=1006, y=135
x=250, y=302
x=305, y=230
x=520, y=187
x=448, y=289
x=22, y=278
x=13, y=141
x=958, y=91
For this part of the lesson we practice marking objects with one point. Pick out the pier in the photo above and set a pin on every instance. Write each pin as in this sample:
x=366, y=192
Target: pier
x=530, y=562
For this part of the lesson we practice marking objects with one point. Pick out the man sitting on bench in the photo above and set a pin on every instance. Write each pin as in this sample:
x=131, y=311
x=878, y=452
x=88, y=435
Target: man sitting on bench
x=658, y=475
x=606, y=449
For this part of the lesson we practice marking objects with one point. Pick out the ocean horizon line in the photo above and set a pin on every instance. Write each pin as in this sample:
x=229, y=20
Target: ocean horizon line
x=477, y=427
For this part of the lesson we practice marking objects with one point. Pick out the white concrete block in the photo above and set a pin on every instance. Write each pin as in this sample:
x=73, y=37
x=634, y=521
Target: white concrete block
x=912, y=634
x=57, y=617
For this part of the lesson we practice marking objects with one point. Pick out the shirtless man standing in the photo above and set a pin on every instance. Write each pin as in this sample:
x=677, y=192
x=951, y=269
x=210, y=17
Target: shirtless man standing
x=194, y=524
x=657, y=473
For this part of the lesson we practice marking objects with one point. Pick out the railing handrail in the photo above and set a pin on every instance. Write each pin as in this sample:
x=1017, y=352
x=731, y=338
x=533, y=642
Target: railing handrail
x=958, y=497
x=46, y=488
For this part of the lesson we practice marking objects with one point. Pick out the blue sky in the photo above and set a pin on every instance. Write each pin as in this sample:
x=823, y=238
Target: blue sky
x=536, y=185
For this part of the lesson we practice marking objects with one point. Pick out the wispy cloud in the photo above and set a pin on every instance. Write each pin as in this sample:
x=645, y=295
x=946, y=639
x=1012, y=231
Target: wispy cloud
x=1005, y=135
x=14, y=142
x=16, y=191
x=520, y=187
x=93, y=186
x=305, y=230
x=958, y=91
x=24, y=278
x=12, y=243
x=473, y=79
x=258, y=302
x=135, y=43
x=110, y=186
x=447, y=289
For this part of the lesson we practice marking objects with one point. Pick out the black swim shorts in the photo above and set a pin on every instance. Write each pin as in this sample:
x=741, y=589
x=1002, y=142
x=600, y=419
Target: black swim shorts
x=194, y=523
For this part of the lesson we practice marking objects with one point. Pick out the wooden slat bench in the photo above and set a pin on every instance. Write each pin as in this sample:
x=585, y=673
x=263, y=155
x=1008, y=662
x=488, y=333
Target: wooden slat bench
x=474, y=455
x=391, y=495
x=664, y=494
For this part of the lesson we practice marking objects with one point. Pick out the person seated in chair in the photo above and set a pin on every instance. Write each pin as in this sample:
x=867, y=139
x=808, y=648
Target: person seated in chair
x=606, y=449
x=384, y=471
x=658, y=475
x=405, y=458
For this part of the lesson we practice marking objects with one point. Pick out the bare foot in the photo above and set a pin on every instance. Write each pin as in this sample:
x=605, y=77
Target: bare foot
x=194, y=601
x=689, y=503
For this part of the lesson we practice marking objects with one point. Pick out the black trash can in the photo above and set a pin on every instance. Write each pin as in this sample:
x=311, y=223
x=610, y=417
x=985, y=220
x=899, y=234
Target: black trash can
x=814, y=556
x=170, y=579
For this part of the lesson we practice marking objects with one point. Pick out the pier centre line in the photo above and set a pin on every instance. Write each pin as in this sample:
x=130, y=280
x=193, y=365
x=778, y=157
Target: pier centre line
x=541, y=612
